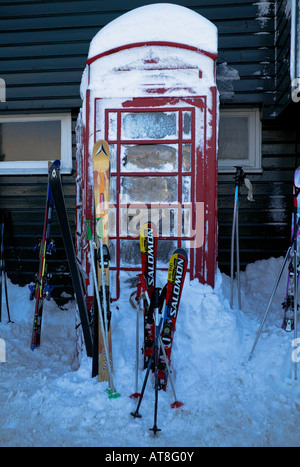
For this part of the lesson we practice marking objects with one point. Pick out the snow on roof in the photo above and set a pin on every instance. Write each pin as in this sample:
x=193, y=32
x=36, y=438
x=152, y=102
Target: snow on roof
x=158, y=22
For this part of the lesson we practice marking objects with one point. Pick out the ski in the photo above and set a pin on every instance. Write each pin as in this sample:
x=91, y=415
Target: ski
x=289, y=304
x=59, y=202
x=148, y=249
x=42, y=289
x=101, y=173
x=111, y=387
x=3, y=276
x=176, y=276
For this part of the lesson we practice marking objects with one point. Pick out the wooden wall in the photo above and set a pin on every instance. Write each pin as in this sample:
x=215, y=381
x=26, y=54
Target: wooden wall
x=44, y=45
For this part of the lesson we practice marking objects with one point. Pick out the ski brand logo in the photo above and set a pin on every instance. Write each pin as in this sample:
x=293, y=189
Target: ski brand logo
x=179, y=270
x=2, y=351
x=151, y=258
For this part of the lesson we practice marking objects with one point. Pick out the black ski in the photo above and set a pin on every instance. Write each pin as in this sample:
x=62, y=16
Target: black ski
x=58, y=197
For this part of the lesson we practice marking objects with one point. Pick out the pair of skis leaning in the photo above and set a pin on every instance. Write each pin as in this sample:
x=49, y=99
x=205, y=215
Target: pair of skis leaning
x=40, y=290
x=160, y=314
x=55, y=199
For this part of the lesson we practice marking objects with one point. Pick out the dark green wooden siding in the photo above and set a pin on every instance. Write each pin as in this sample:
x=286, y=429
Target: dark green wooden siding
x=283, y=50
x=44, y=45
x=265, y=224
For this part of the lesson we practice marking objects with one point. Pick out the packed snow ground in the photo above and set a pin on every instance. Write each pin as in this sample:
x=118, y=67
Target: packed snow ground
x=47, y=399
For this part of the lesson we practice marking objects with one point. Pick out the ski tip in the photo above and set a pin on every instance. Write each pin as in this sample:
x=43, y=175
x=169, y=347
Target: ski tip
x=135, y=395
x=176, y=405
x=154, y=429
x=136, y=414
x=101, y=146
x=113, y=394
x=182, y=252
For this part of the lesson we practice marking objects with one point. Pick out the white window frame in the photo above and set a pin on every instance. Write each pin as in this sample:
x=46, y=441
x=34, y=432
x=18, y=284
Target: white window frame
x=253, y=163
x=41, y=167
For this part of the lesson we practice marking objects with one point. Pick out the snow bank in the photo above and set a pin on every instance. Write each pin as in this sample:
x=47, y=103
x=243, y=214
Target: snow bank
x=48, y=399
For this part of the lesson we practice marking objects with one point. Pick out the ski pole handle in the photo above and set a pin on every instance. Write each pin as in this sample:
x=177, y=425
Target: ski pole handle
x=144, y=287
x=139, y=291
x=142, y=282
x=99, y=227
x=89, y=231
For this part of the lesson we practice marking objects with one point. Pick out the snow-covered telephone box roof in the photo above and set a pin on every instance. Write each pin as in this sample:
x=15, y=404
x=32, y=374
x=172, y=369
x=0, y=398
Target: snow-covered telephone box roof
x=159, y=22
x=152, y=38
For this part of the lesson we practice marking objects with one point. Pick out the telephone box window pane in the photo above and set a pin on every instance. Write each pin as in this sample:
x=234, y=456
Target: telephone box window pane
x=186, y=189
x=112, y=134
x=30, y=141
x=186, y=158
x=113, y=190
x=149, y=189
x=132, y=219
x=187, y=125
x=112, y=252
x=130, y=255
x=152, y=157
x=233, y=139
x=150, y=125
x=186, y=222
x=165, y=249
x=113, y=157
x=112, y=219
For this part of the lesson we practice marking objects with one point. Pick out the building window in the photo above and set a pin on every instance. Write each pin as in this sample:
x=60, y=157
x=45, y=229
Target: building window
x=240, y=140
x=29, y=142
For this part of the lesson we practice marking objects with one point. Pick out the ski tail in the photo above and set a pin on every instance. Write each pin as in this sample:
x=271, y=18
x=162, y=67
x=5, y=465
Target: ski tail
x=148, y=249
x=176, y=277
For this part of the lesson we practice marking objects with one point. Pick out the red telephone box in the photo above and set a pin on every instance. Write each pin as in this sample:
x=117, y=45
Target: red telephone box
x=149, y=89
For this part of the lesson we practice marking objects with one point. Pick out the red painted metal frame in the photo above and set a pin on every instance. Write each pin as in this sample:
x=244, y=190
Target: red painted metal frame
x=204, y=164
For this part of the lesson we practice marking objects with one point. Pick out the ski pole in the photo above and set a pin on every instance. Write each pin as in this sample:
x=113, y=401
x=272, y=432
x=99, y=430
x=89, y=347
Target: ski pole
x=270, y=302
x=144, y=287
x=136, y=394
x=110, y=377
x=240, y=178
x=136, y=413
x=158, y=318
x=103, y=274
x=176, y=403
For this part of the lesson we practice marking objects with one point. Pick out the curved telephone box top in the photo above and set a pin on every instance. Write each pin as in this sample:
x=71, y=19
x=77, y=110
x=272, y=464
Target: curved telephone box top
x=161, y=22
